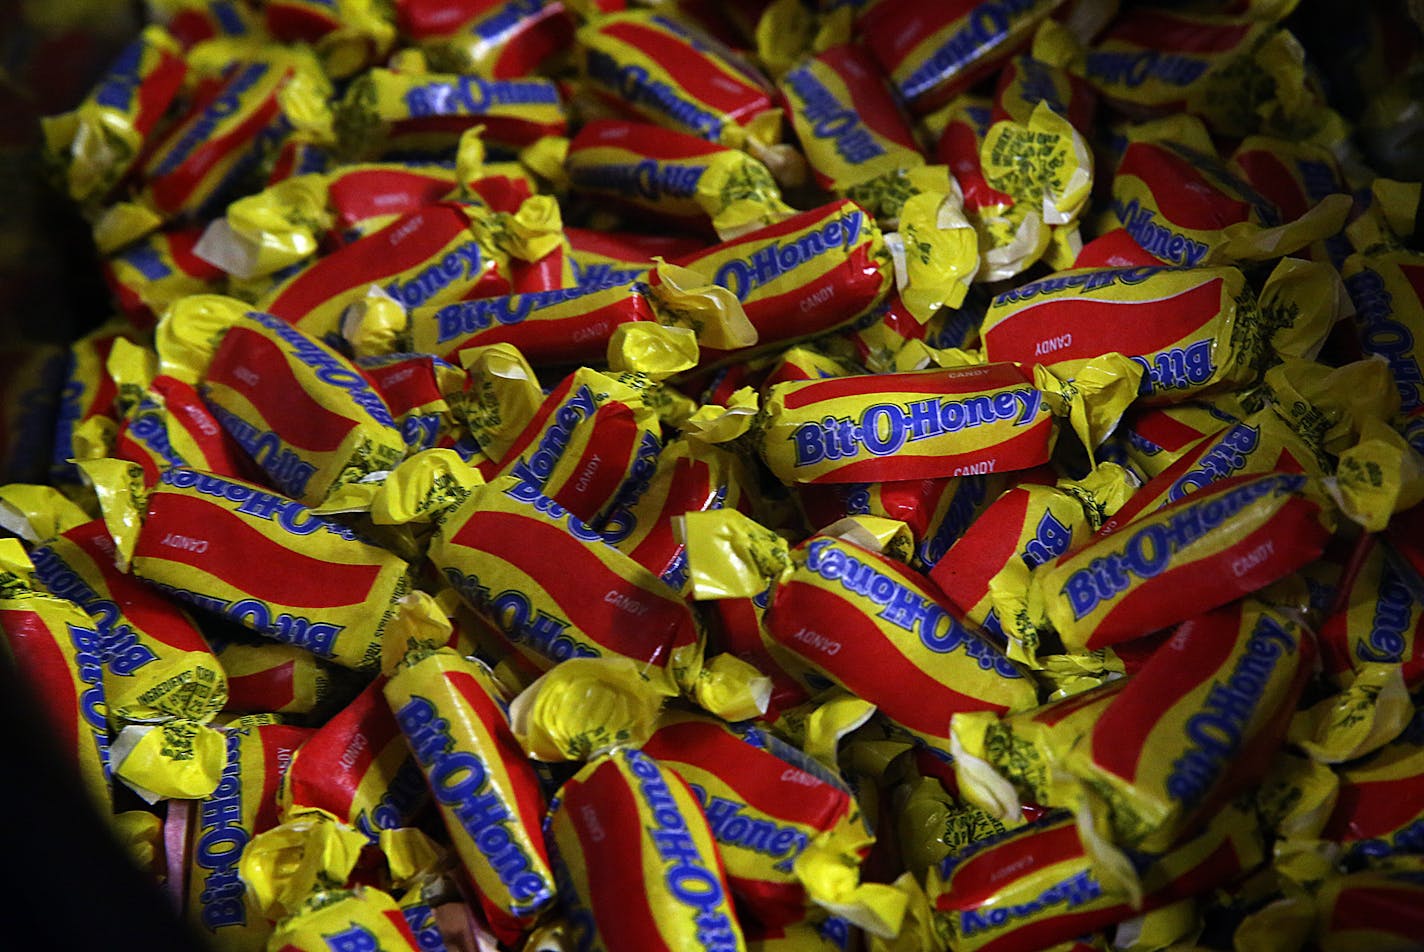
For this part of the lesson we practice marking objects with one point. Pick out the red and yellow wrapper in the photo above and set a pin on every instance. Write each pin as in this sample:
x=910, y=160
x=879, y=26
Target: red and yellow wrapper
x=1294, y=176
x=171, y=425
x=88, y=390
x=438, y=254
x=689, y=476
x=765, y=803
x=848, y=121
x=453, y=717
x=497, y=39
x=1368, y=910
x=925, y=424
x=193, y=170
x=637, y=864
x=1180, y=326
x=931, y=54
x=260, y=559
x=1380, y=810
x=937, y=511
x=860, y=620
x=1020, y=530
x=582, y=444
x=1036, y=886
x=299, y=215
x=385, y=112
x=157, y=664
x=97, y=144
x=811, y=273
x=1185, y=206
x=416, y=388
x=153, y=273
x=1387, y=288
x=54, y=646
x=219, y=826
x=575, y=325
x=1155, y=437
x=1261, y=443
x=650, y=172
x=649, y=65
x=1215, y=545
x=358, y=768
x=1196, y=725
x=269, y=678
x=362, y=918
x=348, y=35
x=590, y=258
x=601, y=603
x=1002, y=764
x=1220, y=66
x=299, y=408
x=1379, y=622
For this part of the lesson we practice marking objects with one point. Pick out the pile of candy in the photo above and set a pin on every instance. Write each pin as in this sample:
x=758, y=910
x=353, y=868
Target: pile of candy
x=881, y=475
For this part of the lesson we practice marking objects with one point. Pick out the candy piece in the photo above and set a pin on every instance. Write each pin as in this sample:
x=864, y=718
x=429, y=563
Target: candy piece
x=1217, y=544
x=585, y=611
x=933, y=55
x=165, y=423
x=583, y=444
x=1022, y=529
x=499, y=40
x=690, y=476
x=363, y=918
x=859, y=620
x=453, y=718
x=88, y=391
x=809, y=274
x=1034, y=886
x=157, y=664
x=299, y=408
x=1216, y=66
x=1261, y=443
x=765, y=803
x=1174, y=195
x=1181, y=326
x=1294, y=176
x=415, y=388
x=849, y=124
x=1197, y=725
x=1385, y=287
x=1154, y=438
x=574, y=325
x=1003, y=763
x=651, y=66
x=219, y=827
x=358, y=768
x=437, y=254
x=1368, y=909
x=262, y=560
x=1379, y=808
x=932, y=423
x=385, y=112
x=55, y=647
x=653, y=173
x=348, y=35
x=276, y=679
x=1378, y=623
x=636, y=860
x=196, y=168
x=99, y=142
x=155, y=272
